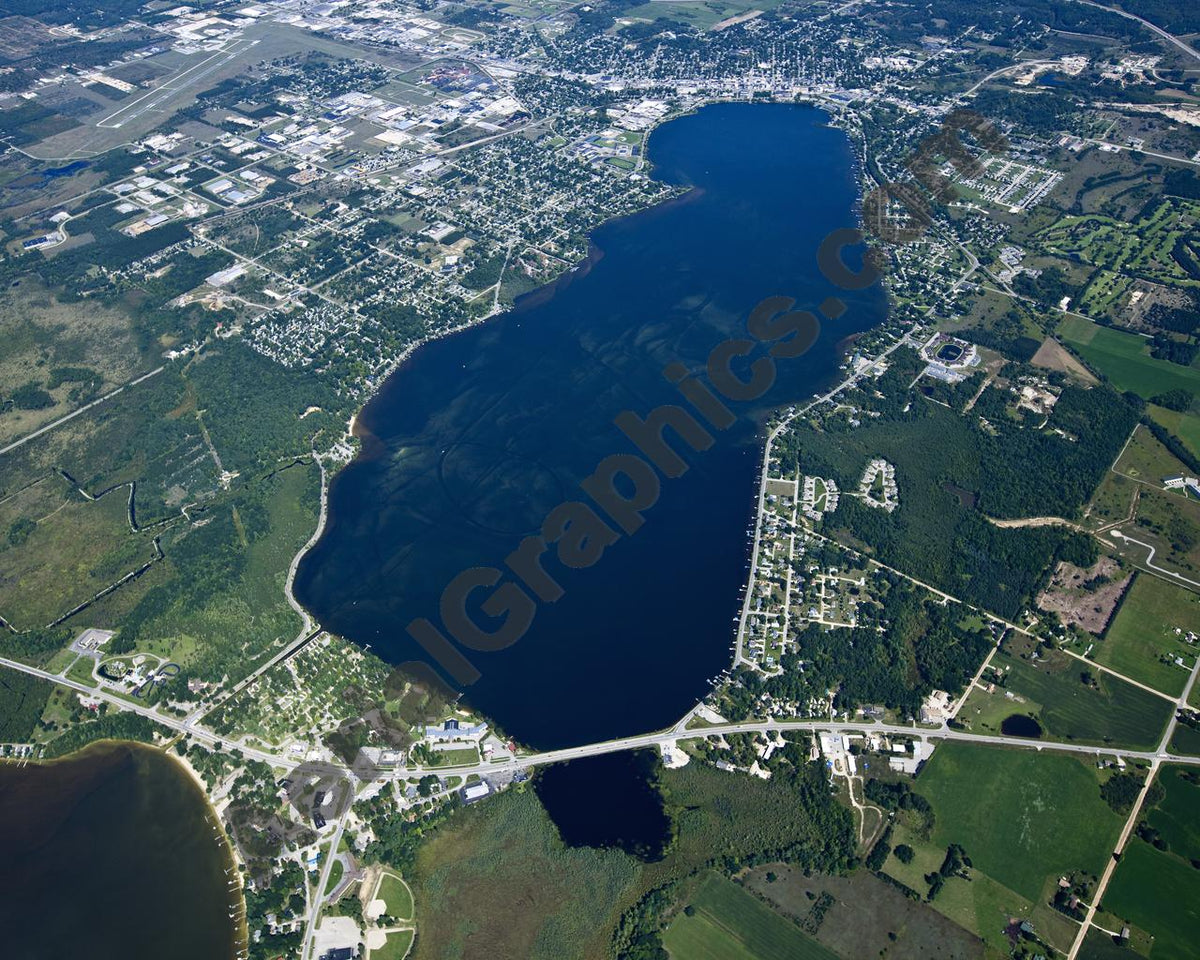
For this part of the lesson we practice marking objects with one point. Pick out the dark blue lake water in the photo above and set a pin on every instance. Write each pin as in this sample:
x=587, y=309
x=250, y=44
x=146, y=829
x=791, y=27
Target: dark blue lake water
x=478, y=436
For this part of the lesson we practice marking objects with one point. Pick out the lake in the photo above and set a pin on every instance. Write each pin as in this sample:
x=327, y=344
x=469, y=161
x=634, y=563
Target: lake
x=611, y=800
x=111, y=854
x=477, y=436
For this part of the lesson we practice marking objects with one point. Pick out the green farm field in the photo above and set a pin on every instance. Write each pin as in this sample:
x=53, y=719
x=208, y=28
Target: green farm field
x=1108, y=710
x=731, y=924
x=1124, y=358
x=1021, y=816
x=1185, y=425
x=1160, y=893
x=1185, y=740
x=1177, y=816
x=868, y=916
x=1144, y=631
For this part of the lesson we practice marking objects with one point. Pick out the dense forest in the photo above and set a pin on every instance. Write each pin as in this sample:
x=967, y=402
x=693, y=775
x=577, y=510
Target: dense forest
x=954, y=472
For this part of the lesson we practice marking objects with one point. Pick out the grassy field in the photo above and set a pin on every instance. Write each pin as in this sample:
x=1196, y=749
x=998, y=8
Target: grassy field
x=730, y=924
x=1098, y=945
x=58, y=550
x=1186, y=740
x=700, y=14
x=1171, y=523
x=1161, y=894
x=395, y=893
x=1111, y=501
x=335, y=877
x=491, y=856
x=1108, y=711
x=1144, y=632
x=395, y=948
x=1144, y=458
x=456, y=758
x=1022, y=816
x=471, y=875
x=1185, y=425
x=1177, y=816
x=41, y=335
x=1124, y=358
x=868, y=917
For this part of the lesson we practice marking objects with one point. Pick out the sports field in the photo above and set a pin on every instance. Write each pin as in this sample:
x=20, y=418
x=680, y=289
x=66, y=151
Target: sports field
x=1125, y=359
x=1144, y=632
x=1021, y=816
x=396, y=946
x=394, y=892
x=727, y=923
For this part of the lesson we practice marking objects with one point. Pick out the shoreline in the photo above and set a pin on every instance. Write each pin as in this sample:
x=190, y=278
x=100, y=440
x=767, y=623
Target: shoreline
x=231, y=865
x=358, y=428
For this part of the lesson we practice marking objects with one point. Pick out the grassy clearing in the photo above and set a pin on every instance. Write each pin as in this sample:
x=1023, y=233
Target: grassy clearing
x=455, y=758
x=1170, y=523
x=1111, y=502
x=335, y=877
x=1098, y=945
x=42, y=335
x=1124, y=358
x=703, y=15
x=1144, y=458
x=731, y=924
x=395, y=893
x=1022, y=816
x=396, y=946
x=1142, y=642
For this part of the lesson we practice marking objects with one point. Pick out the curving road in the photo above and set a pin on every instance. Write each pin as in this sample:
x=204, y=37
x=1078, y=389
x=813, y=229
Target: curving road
x=1154, y=28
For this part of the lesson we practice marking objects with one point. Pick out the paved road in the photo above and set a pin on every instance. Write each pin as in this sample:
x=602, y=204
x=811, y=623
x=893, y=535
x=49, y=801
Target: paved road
x=1169, y=37
x=759, y=726
x=1134, y=814
x=173, y=723
x=623, y=743
x=314, y=915
x=1118, y=535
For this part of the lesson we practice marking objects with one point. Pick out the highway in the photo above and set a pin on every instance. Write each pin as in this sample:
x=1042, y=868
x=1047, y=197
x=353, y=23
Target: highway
x=206, y=737
x=641, y=741
x=638, y=742
x=1170, y=38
